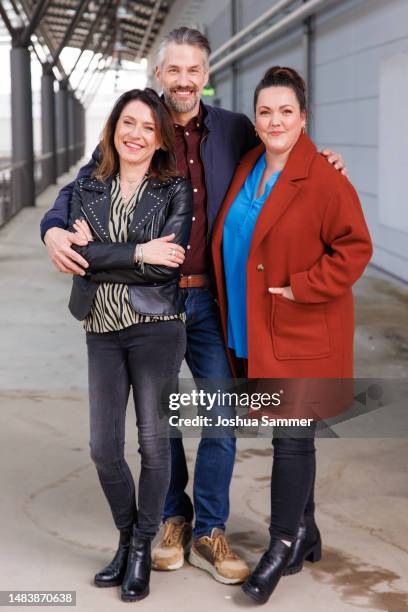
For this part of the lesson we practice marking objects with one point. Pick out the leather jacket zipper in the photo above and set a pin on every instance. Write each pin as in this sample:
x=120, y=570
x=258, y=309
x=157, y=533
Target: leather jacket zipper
x=90, y=224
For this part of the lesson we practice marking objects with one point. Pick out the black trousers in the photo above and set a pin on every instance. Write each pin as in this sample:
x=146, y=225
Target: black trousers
x=293, y=479
x=146, y=357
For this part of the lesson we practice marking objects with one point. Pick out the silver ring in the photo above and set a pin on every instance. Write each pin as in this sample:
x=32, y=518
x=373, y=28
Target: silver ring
x=172, y=252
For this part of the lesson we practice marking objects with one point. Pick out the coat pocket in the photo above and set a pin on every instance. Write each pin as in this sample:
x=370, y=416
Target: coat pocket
x=299, y=331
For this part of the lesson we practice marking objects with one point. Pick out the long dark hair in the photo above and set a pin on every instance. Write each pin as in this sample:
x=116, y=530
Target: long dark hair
x=163, y=164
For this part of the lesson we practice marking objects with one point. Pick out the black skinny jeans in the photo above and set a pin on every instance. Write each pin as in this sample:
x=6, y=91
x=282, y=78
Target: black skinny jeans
x=146, y=357
x=293, y=479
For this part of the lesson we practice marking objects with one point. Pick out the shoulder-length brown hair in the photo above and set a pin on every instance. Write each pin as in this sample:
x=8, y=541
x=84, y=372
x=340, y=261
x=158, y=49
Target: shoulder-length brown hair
x=163, y=164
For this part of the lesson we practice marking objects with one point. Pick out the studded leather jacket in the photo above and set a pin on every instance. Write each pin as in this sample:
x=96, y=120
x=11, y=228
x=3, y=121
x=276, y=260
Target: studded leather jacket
x=165, y=207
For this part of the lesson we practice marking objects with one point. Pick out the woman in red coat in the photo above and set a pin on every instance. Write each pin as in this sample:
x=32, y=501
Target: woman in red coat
x=288, y=244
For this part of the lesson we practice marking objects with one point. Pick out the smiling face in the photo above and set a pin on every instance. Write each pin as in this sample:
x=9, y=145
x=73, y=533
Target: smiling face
x=278, y=119
x=136, y=136
x=182, y=75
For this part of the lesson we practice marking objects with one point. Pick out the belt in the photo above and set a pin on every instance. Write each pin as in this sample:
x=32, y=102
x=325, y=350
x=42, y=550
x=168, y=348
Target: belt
x=194, y=281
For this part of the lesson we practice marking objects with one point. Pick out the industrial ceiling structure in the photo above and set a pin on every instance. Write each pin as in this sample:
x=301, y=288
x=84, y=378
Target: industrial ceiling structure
x=119, y=28
x=112, y=31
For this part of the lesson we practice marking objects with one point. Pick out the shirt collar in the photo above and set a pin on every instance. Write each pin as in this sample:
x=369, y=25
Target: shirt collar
x=252, y=182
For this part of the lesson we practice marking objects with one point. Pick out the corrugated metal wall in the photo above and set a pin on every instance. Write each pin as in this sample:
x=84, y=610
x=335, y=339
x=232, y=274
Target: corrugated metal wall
x=352, y=45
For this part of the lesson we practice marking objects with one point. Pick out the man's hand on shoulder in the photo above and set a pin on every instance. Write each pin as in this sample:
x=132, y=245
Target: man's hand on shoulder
x=58, y=242
x=335, y=159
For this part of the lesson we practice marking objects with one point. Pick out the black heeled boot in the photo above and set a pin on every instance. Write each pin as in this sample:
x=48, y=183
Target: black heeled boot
x=306, y=547
x=112, y=575
x=263, y=580
x=135, y=585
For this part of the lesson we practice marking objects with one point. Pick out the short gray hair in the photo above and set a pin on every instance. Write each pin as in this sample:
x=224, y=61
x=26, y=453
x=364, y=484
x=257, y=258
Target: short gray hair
x=185, y=36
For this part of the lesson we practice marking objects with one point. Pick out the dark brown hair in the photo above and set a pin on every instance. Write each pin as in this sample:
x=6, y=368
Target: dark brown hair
x=163, y=164
x=281, y=76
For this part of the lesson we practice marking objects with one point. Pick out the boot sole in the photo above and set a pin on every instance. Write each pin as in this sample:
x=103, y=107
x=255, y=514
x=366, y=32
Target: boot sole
x=201, y=563
x=134, y=597
x=255, y=597
x=106, y=585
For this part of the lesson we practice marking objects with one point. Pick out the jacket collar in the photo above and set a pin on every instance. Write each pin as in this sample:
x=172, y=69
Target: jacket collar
x=155, y=183
x=286, y=188
x=97, y=204
x=297, y=168
x=208, y=115
x=300, y=159
x=153, y=198
x=93, y=184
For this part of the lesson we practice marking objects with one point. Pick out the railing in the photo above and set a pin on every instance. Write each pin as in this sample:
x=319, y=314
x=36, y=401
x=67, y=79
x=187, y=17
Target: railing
x=11, y=190
x=43, y=172
x=13, y=178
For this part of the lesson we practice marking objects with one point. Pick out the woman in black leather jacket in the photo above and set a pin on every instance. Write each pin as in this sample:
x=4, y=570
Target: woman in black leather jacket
x=136, y=214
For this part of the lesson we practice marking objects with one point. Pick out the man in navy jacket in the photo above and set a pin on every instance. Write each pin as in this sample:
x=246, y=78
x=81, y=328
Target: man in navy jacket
x=209, y=144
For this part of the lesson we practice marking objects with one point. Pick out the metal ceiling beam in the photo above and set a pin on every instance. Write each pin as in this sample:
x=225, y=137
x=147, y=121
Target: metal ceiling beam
x=107, y=59
x=145, y=17
x=132, y=46
x=13, y=4
x=62, y=8
x=80, y=10
x=102, y=12
x=147, y=4
x=6, y=20
x=44, y=34
x=148, y=29
x=136, y=37
x=36, y=17
x=134, y=29
x=100, y=72
x=86, y=70
x=92, y=95
x=101, y=49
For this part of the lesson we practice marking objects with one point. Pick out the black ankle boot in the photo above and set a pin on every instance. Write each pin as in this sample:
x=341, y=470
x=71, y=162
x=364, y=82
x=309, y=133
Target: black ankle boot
x=135, y=585
x=307, y=546
x=263, y=580
x=112, y=575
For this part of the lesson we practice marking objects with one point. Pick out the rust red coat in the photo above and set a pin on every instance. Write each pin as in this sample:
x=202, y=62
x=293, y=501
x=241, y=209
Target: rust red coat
x=311, y=235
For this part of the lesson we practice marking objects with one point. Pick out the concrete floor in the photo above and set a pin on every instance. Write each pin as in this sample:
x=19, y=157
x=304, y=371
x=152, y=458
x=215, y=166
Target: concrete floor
x=56, y=530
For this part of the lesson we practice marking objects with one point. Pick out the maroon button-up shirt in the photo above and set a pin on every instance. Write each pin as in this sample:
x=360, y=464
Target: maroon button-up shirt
x=190, y=166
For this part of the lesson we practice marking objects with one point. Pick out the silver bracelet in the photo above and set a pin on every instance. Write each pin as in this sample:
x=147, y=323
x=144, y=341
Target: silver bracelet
x=139, y=256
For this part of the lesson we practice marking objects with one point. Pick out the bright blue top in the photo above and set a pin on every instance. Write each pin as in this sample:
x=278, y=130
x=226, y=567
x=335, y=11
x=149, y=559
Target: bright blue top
x=238, y=229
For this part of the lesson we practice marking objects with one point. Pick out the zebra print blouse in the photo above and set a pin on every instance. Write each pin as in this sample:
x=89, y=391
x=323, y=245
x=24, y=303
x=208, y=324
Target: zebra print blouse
x=111, y=309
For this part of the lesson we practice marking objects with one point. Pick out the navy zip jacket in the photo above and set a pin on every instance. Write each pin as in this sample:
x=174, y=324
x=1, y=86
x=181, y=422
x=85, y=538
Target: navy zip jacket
x=230, y=136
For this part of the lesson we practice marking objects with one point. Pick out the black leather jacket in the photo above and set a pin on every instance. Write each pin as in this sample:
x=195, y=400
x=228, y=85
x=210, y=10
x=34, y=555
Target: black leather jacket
x=165, y=207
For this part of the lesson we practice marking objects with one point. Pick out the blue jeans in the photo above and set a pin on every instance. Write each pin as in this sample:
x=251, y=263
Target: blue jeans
x=206, y=357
